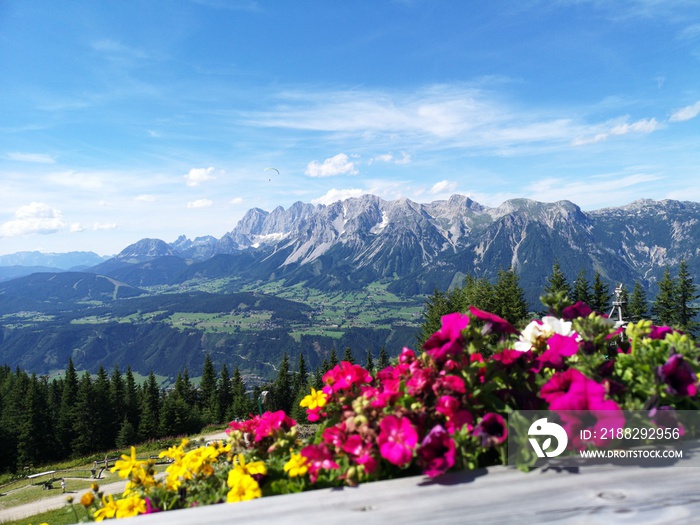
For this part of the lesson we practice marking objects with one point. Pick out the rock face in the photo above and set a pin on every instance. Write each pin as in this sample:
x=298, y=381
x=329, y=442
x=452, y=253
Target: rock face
x=421, y=246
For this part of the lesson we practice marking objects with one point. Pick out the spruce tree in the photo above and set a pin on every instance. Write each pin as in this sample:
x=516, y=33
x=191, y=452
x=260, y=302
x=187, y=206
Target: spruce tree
x=383, y=360
x=242, y=405
x=131, y=398
x=224, y=394
x=84, y=428
x=127, y=435
x=207, y=392
x=117, y=400
x=369, y=362
x=301, y=377
x=685, y=293
x=149, y=415
x=64, y=430
x=34, y=431
x=637, y=307
x=664, y=307
x=601, y=294
x=282, y=389
x=582, y=288
x=509, y=297
x=557, y=282
x=347, y=356
x=475, y=292
x=333, y=358
x=435, y=307
x=103, y=414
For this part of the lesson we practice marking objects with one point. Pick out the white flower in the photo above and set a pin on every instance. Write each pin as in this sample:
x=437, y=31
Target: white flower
x=543, y=329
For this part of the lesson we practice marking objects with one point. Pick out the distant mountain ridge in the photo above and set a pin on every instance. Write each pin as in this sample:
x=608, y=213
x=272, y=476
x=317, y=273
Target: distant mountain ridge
x=422, y=246
x=20, y=264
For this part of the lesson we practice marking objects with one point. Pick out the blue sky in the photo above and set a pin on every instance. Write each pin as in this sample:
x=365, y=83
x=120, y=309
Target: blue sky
x=124, y=120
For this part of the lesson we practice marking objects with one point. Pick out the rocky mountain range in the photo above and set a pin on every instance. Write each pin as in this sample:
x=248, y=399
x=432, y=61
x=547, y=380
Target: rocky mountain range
x=418, y=247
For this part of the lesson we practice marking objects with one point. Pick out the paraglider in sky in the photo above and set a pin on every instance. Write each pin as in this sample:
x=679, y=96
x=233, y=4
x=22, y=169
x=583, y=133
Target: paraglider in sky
x=272, y=169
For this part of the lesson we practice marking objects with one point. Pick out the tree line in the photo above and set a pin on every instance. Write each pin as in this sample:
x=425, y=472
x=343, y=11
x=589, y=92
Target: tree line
x=674, y=305
x=46, y=420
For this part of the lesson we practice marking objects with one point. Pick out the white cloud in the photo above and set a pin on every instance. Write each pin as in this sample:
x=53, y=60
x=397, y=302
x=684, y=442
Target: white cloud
x=442, y=187
x=39, y=158
x=197, y=176
x=76, y=227
x=623, y=128
x=405, y=158
x=236, y=200
x=36, y=217
x=145, y=198
x=102, y=226
x=335, y=195
x=200, y=203
x=686, y=113
x=340, y=164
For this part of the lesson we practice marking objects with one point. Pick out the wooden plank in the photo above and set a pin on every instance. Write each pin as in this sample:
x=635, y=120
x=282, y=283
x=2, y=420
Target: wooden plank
x=597, y=494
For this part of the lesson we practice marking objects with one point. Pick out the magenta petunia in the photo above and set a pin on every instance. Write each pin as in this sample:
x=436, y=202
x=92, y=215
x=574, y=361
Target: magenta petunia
x=578, y=309
x=397, y=439
x=558, y=347
x=346, y=375
x=495, y=323
x=491, y=429
x=660, y=332
x=319, y=458
x=679, y=376
x=272, y=422
x=448, y=341
x=437, y=452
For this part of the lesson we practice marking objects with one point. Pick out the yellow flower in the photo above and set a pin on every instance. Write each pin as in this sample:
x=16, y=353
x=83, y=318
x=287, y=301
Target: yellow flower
x=316, y=399
x=128, y=463
x=243, y=487
x=256, y=467
x=296, y=466
x=94, y=487
x=87, y=499
x=131, y=506
x=108, y=510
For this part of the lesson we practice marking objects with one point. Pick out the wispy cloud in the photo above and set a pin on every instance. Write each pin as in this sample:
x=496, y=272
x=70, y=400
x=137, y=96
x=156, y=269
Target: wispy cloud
x=403, y=158
x=145, y=198
x=686, y=113
x=102, y=226
x=76, y=179
x=442, y=187
x=339, y=164
x=335, y=195
x=640, y=126
x=39, y=158
x=200, y=203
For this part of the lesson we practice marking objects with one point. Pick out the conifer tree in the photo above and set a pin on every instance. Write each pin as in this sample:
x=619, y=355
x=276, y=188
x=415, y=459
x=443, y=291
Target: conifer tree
x=509, y=297
x=116, y=400
x=383, y=361
x=84, y=428
x=242, y=405
x=475, y=292
x=369, y=362
x=207, y=391
x=348, y=355
x=282, y=390
x=127, y=435
x=332, y=358
x=149, y=415
x=637, y=306
x=64, y=428
x=102, y=412
x=685, y=293
x=301, y=377
x=601, y=294
x=131, y=399
x=582, y=288
x=557, y=282
x=435, y=307
x=664, y=307
x=224, y=394
x=34, y=431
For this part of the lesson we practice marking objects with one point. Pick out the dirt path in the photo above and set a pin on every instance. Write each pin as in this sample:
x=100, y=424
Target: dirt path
x=56, y=502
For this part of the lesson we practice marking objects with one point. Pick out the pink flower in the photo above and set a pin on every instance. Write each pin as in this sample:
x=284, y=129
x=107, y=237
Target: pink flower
x=397, y=438
x=660, y=332
x=508, y=357
x=346, y=375
x=579, y=309
x=448, y=341
x=436, y=454
x=361, y=452
x=272, y=422
x=420, y=381
x=492, y=322
x=558, y=347
x=679, y=376
x=319, y=458
x=492, y=430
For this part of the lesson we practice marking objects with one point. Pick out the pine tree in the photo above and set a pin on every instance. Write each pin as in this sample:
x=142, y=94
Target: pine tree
x=582, y=288
x=127, y=435
x=556, y=282
x=224, y=394
x=664, y=307
x=131, y=398
x=84, y=428
x=637, y=307
x=685, y=293
x=149, y=415
x=242, y=405
x=102, y=412
x=509, y=297
x=369, y=362
x=64, y=430
x=333, y=358
x=477, y=292
x=301, y=377
x=282, y=392
x=117, y=400
x=435, y=307
x=383, y=361
x=601, y=294
x=347, y=356
x=207, y=391
x=34, y=431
